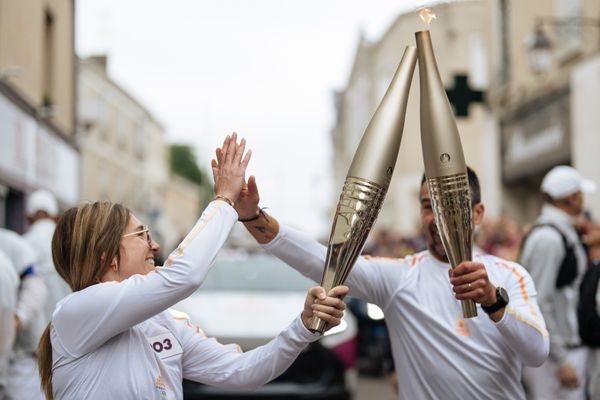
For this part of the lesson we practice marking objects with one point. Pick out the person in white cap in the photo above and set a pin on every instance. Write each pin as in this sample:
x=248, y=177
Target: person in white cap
x=556, y=259
x=9, y=284
x=41, y=210
x=22, y=382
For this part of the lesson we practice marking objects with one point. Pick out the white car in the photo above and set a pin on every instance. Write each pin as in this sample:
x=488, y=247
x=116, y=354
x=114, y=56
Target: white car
x=248, y=300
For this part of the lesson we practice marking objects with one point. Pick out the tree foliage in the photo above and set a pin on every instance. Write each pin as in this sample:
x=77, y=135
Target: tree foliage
x=182, y=159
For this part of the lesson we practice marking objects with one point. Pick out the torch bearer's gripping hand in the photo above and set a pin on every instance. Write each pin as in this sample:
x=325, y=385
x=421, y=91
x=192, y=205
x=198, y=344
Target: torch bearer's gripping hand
x=470, y=281
x=329, y=308
x=229, y=168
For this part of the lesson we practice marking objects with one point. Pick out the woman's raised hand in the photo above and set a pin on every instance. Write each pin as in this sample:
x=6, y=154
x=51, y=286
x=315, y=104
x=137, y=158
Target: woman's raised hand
x=229, y=168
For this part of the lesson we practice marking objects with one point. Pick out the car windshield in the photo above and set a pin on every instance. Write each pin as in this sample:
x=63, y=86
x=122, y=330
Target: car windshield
x=254, y=273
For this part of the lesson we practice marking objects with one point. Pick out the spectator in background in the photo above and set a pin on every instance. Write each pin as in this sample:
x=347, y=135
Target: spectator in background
x=388, y=244
x=41, y=211
x=23, y=381
x=556, y=259
x=9, y=285
x=501, y=238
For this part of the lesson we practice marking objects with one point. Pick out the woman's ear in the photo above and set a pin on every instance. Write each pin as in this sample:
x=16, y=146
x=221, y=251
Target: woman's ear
x=115, y=264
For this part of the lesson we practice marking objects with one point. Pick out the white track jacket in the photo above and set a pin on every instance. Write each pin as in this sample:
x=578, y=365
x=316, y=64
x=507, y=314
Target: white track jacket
x=437, y=353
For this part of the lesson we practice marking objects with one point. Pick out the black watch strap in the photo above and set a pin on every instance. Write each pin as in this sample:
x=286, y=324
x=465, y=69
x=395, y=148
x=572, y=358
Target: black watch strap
x=501, y=301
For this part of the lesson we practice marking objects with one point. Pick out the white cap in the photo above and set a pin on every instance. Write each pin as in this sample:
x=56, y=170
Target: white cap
x=563, y=181
x=41, y=200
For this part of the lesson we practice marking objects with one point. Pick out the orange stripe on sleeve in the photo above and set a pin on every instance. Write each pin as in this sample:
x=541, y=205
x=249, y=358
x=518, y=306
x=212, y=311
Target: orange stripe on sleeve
x=192, y=235
x=526, y=298
x=379, y=258
x=519, y=276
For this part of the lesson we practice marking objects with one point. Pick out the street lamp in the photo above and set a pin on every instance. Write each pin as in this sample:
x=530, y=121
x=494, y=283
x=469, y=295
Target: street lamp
x=540, y=46
x=539, y=50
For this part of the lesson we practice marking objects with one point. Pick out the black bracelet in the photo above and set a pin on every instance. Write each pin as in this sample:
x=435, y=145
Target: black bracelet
x=257, y=216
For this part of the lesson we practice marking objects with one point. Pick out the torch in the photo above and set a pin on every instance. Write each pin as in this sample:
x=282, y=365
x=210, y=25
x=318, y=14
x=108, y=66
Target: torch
x=445, y=167
x=367, y=180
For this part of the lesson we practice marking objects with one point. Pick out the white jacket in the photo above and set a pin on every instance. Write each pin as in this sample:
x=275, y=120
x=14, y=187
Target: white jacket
x=437, y=353
x=115, y=340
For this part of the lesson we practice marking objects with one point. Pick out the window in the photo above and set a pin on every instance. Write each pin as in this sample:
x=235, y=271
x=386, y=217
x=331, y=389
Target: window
x=140, y=138
x=48, y=60
x=505, y=61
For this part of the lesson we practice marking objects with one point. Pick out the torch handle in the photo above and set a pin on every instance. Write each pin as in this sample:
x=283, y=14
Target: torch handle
x=357, y=210
x=469, y=309
x=317, y=325
x=451, y=204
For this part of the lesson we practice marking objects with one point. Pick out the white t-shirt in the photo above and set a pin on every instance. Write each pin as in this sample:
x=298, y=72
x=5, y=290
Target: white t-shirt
x=437, y=353
x=115, y=340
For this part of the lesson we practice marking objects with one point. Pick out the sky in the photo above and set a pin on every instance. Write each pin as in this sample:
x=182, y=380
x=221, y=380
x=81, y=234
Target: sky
x=266, y=69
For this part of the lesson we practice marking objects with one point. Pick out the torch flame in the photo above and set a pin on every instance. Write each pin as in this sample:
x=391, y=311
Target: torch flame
x=427, y=16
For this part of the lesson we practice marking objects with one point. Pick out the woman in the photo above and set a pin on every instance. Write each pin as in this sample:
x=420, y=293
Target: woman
x=113, y=338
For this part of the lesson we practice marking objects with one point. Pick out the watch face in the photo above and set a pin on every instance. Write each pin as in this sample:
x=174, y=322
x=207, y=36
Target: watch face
x=503, y=295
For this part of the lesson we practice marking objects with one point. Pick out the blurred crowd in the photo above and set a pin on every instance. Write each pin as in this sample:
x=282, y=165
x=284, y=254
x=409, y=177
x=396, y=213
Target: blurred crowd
x=501, y=237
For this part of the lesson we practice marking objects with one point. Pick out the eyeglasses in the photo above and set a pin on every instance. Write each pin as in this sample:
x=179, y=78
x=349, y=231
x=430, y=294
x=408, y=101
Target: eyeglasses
x=146, y=230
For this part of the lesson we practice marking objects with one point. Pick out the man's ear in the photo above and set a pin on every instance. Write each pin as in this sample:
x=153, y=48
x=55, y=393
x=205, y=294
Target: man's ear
x=478, y=212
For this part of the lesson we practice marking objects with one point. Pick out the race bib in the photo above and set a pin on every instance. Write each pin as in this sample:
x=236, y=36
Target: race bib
x=165, y=345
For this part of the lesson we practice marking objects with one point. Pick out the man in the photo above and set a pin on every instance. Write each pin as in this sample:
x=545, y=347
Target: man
x=9, y=284
x=23, y=382
x=437, y=353
x=41, y=211
x=557, y=260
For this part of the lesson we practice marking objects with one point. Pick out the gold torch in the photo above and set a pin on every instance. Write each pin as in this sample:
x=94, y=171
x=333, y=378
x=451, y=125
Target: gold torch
x=445, y=167
x=368, y=179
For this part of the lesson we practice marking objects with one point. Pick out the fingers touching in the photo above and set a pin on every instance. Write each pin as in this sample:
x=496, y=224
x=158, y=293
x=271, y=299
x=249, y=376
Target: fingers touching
x=229, y=167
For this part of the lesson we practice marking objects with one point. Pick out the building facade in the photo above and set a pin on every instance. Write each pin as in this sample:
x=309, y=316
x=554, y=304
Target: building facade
x=458, y=36
x=37, y=105
x=544, y=91
x=182, y=202
x=124, y=157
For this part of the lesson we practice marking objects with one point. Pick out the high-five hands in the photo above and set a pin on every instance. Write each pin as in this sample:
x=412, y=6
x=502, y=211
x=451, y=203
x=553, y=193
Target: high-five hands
x=229, y=168
x=247, y=204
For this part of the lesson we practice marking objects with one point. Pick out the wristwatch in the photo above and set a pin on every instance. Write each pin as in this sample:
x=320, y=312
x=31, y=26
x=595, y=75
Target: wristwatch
x=501, y=301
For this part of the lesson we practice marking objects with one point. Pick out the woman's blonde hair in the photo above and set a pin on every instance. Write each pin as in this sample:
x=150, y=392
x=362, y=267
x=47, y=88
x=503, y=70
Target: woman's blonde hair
x=85, y=242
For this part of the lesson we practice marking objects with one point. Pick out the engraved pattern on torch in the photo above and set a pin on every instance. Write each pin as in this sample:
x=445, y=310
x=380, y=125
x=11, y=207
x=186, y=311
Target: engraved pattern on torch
x=356, y=213
x=451, y=204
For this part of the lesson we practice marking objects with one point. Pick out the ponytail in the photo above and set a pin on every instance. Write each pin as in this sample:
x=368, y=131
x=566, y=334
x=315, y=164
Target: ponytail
x=44, y=359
